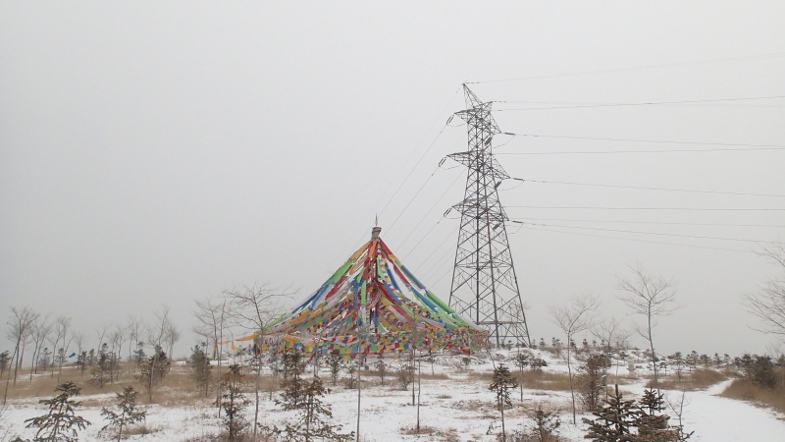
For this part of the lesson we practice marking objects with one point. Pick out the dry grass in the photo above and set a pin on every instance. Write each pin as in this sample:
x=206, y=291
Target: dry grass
x=544, y=381
x=449, y=435
x=697, y=380
x=434, y=377
x=472, y=405
x=744, y=389
x=424, y=429
x=534, y=380
x=177, y=389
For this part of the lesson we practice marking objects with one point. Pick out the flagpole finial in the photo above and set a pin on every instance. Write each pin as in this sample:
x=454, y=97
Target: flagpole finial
x=375, y=232
x=376, y=223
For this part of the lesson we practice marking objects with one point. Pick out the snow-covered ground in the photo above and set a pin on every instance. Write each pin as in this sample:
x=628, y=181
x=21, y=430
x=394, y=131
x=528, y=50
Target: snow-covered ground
x=718, y=419
x=456, y=409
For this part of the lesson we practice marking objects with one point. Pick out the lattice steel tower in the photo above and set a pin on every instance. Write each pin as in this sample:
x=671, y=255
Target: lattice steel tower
x=484, y=284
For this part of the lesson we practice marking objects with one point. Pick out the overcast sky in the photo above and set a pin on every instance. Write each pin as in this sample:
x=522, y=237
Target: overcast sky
x=160, y=152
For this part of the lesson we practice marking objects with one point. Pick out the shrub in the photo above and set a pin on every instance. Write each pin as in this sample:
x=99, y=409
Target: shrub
x=126, y=415
x=61, y=423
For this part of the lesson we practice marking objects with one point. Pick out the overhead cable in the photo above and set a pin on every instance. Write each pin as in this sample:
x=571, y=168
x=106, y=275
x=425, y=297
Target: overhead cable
x=412, y=199
x=636, y=240
x=657, y=189
x=638, y=68
x=740, y=209
x=598, y=229
x=729, y=146
x=433, y=206
x=645, y=103
x=662, y=223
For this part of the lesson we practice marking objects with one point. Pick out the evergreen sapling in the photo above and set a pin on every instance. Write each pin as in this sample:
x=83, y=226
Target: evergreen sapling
x=126, y=414
x=61, y=423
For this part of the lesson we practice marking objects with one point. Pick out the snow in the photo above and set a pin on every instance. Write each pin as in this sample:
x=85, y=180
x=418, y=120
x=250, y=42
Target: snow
x=718, y=419
x=459, y=409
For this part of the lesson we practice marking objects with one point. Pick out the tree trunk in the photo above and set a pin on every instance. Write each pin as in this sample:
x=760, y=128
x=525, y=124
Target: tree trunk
x=569, y=375
x=359, y=390
x=504, y=432
x=256, y=393
x=653, y=355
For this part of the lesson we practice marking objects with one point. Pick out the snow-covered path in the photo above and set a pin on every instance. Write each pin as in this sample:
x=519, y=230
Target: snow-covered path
x=718, y=419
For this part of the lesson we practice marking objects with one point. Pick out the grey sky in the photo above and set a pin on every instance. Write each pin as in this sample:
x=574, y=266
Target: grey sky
x=162, y=152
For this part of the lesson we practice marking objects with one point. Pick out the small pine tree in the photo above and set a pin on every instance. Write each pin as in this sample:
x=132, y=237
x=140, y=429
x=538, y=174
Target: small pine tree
x=760, y=370
x=334, y=361
x=60, y=424
x=5, y=358
x=381, y=368
x=615, y=421
x=521, y=360
x=139, y=354
x=101, y=371
x=352, y=382
x=293, y=364
x=678, y=363
x=126, y=414
x=591, y=381
x=651, y=422
x=293, y=384
x=546, y=424
x=501, y=384
x=405, y=373
x=545, y=428
x=200, y=364
x=691, y=360
x=81, y=362
x=153, y=371
x=312, y=424
x=233, y=402
x=537, y=363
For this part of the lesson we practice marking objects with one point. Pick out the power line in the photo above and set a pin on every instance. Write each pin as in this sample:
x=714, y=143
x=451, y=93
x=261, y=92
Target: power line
x=436, y=248
x=446, y=107
x=676, y=235
x=423, y=238
x=729, y=146
x=638, y=68
x=636, y=240
x=433, y=206
x=649, y=208
x=589, y=104
x=413, y=168
x=646, y=103
x=663, y=223
x=411, y=200
x=426, y=274
x=658, y=189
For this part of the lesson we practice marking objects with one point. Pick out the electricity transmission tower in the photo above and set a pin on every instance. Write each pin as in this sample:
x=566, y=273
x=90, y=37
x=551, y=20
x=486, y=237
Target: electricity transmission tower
x=484, y=284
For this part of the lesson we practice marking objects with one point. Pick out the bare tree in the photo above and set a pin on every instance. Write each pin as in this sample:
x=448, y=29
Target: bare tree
x=156, y=337
x=612, y=335
x=78, y=339
x=650, y=296
x=133, y=327
x=575, y=317
x=118, y=337
x=39, y=333
x=21, y=322
x=769, y=304
x=171, y=336
x=101, y=335
x=210, y=315
x=61, y=343
x=256, y=308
